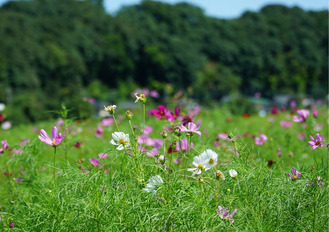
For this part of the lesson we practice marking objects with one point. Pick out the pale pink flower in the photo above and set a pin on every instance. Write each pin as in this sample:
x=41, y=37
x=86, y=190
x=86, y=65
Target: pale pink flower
x=6, y=125
x=102, y=155
x=191, y=128
x=224, y=213
x=261, y=140
x=285, y=124
x=302, y=116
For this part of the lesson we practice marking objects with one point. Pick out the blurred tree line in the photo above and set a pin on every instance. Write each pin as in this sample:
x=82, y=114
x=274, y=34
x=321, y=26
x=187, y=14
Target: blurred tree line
x=54, y=51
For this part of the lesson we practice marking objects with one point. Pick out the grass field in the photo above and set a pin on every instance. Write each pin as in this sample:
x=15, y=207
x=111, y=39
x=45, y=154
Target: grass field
x=71, y=185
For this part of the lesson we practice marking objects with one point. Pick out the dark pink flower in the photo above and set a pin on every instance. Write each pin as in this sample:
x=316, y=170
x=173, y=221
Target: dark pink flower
x=55, y=140
x=316, y=142
x=161, y=112
x=91, y=101
x=186, y=120
x=315, y=114
x=94, y=162
x=11, y=225
x=99, y=131
x=77, y=145
x=302, y=116
x=191, y=128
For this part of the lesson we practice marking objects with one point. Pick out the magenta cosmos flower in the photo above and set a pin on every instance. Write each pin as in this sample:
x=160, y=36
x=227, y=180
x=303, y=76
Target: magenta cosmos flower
x=261, y=140
x=191, y=128
x=55, y=140
x=316, y=142
x=94, y=162
x=224, y=213
x=302, y=116
x=161, y=112
x=294, y=174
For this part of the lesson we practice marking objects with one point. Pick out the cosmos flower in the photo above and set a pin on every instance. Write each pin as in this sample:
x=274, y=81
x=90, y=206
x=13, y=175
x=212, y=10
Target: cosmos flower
x=121, y=140
x=99, y=131
x=316, y=142
x=294, y=174
x=102, y=155
x=56, y=138
x=203, y=162
x=94, y=162
x=233, y=173
x=4, y=146
x=224, y=213
x=285, y=124
x=302, y=116
x=191, y=128
x=261, y=140
x=154, y=183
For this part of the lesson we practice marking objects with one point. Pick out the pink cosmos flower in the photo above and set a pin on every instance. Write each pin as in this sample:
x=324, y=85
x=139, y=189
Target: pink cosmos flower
x=107, y=121
x=94, y=162
x=191, y=128
x=172, y=116
x=99, y=131
x=316, y=142
x=102, y=155
x=17, y=151
x=183, y=145
x=154, y=94
x=302, y=116
x=293, y=104
x=59, y=122
x=91, y=101
x=6, y=125
x=315, y=113
x=224, y=213
x=285, y=124
x=24, y=142
x=195, y=111
x=4, y=146
x=294, y=174
x=55, y=140
x=148, y=130
x=262, y=140
x=279, y=152
x=301, y=136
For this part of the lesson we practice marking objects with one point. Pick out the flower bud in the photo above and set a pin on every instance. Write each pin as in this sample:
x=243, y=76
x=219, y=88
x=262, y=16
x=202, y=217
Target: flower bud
x=233, y=173
x=110, y=109
x=164, y=134
x=129, y=114
x=219, y=174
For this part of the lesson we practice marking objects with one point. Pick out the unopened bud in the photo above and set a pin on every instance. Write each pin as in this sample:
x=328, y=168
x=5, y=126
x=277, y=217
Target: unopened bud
x=129, y=114
x=164, y=134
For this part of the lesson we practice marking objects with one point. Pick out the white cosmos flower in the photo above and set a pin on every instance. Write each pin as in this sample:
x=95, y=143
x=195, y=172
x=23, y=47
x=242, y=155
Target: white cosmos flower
x=121, y=140
x=154, y=183
x=204, y=162
x=233, y=173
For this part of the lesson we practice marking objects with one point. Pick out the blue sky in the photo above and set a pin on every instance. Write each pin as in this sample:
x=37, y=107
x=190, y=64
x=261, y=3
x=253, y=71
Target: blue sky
x=224, y=8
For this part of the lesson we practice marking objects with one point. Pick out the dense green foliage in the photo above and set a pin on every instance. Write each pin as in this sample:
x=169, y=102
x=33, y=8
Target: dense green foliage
x=51, y=50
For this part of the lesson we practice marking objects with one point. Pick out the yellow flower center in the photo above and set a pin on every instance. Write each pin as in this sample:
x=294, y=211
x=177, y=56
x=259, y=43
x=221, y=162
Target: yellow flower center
x=121, y=141
x=211, y=161
x=53, y=142
x=200, y=166
x=294, y=177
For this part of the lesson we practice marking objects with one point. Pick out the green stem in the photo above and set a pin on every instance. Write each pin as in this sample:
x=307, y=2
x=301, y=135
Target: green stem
x=144, y=110
x=115, y=121
x=54, y=161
